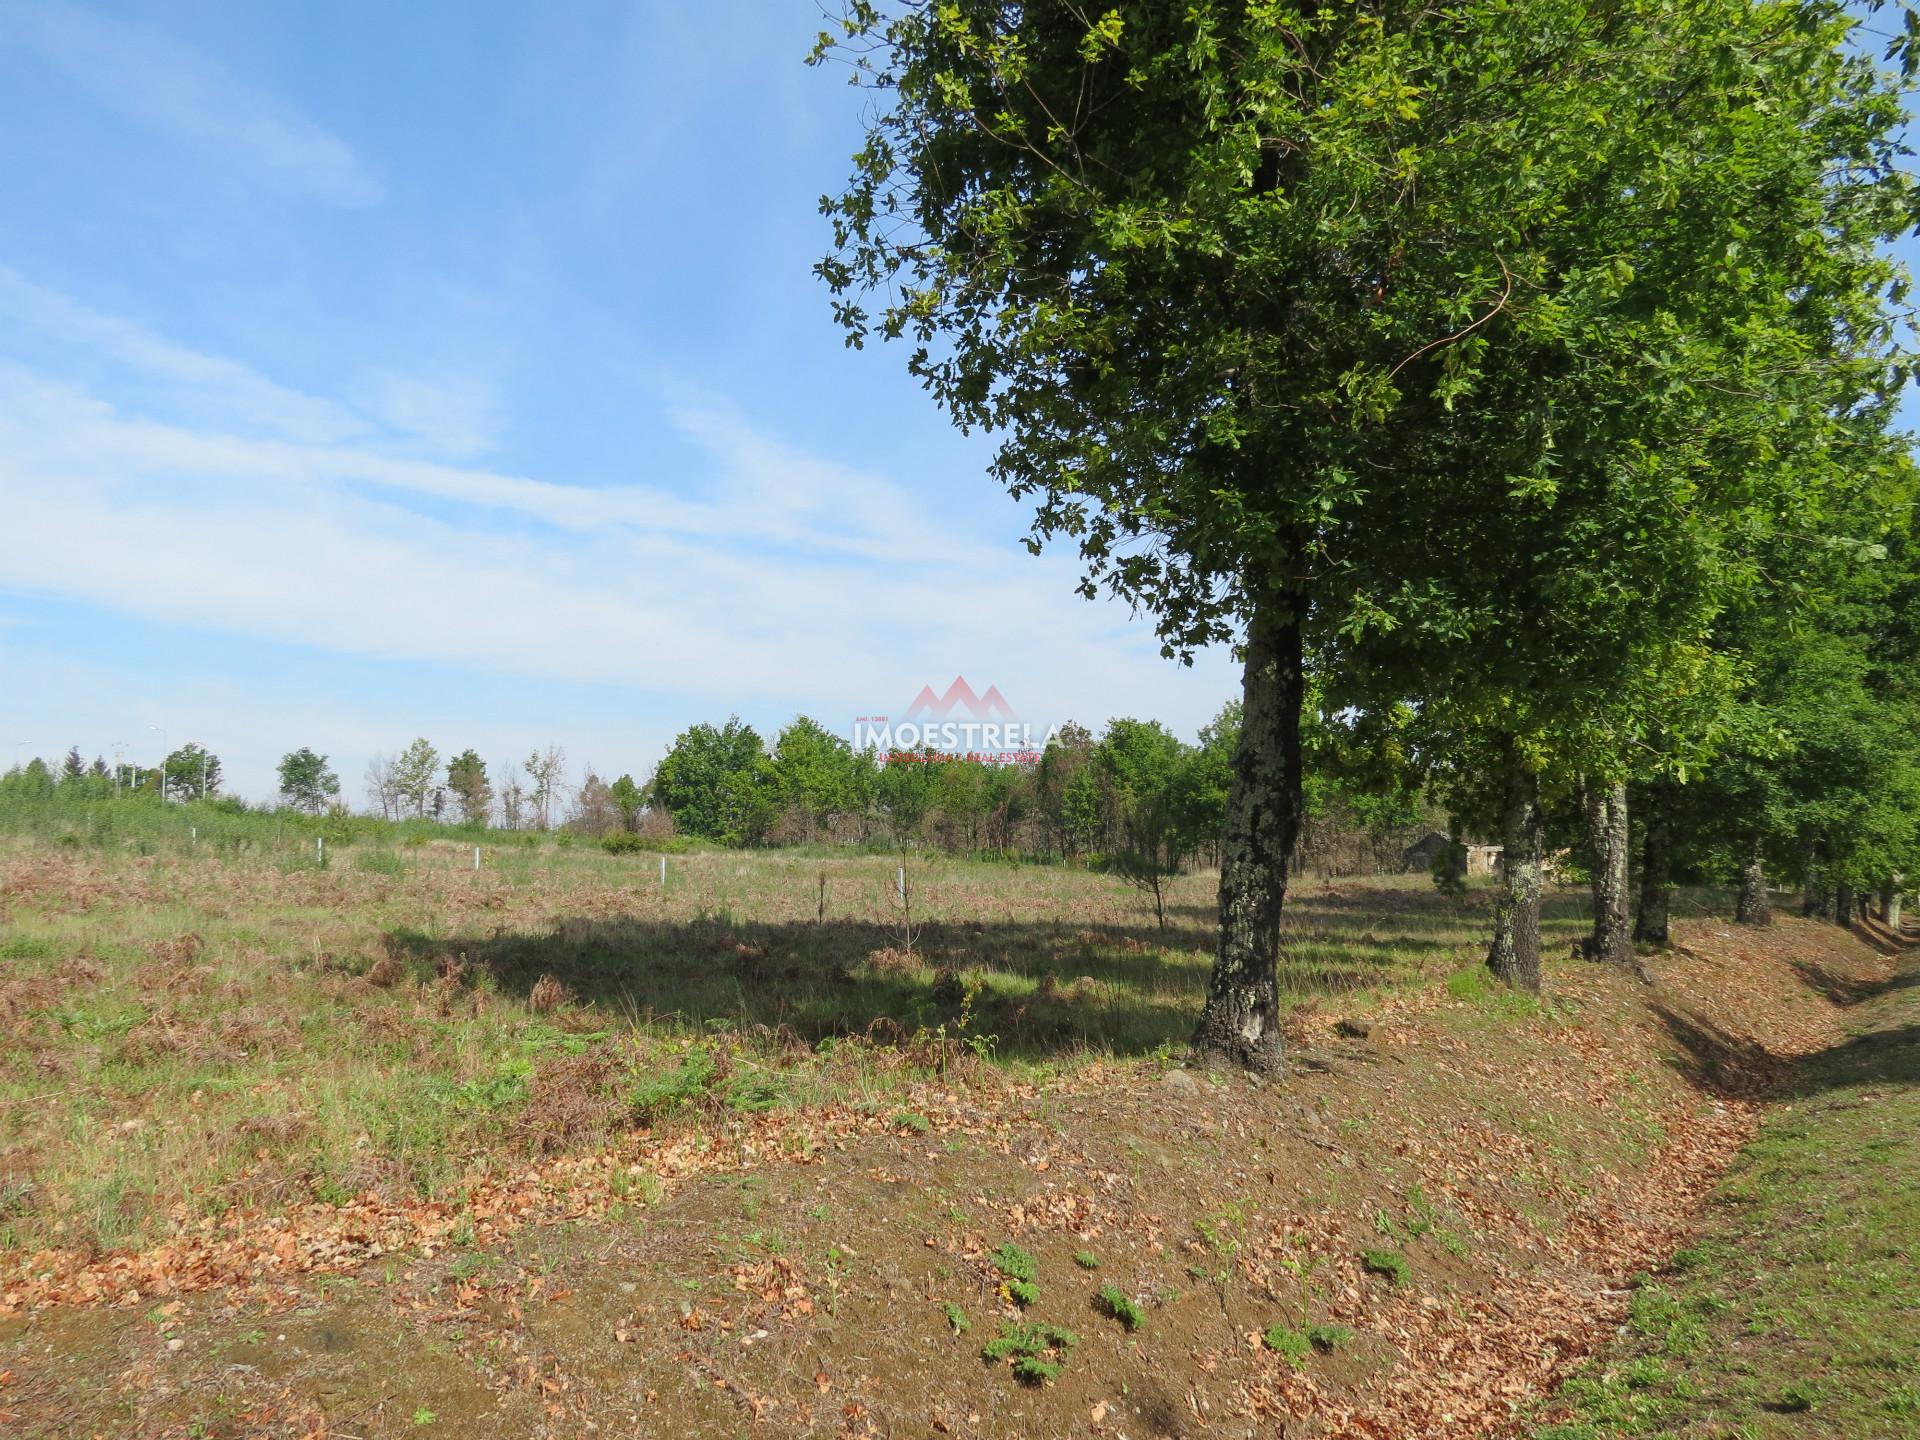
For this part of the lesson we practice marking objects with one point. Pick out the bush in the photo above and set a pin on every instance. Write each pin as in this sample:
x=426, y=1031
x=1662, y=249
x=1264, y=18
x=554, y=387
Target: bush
x=626, y=842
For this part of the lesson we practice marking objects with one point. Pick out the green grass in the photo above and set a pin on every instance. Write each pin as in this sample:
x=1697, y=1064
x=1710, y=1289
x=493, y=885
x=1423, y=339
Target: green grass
x=1798, y=1311
x=221, y=1022
x=1390, y=1265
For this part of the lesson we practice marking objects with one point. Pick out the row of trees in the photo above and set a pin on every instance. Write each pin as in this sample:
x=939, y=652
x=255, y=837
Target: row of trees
x=188, y=773
x=1514, y=384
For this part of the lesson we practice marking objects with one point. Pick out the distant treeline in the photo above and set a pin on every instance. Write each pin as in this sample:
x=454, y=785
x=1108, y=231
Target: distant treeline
x=1134, y=798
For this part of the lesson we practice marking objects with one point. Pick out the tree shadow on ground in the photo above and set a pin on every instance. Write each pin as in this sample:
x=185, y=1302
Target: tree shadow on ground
x=1733, y=1065
x=1038, y=988
x=1849, y=990
x=1878, y=1057
x=1718, y=1061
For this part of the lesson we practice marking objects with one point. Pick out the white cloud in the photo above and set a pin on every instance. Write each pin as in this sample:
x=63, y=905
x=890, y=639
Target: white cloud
x=771, y=581
x=160, y=82
x=202, y=384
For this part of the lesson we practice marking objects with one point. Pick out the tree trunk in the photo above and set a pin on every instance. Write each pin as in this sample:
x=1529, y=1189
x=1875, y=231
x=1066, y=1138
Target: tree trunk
x=1843, y=904
x=1656, y=875
x=1612, y=940
x=1755, y=905
x=1815, y=898
x=1241, y=1020
x=1514, y=956
x=1890, y=905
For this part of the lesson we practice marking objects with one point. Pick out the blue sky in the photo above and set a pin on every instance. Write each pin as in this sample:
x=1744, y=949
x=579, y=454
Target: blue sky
x=370, y=371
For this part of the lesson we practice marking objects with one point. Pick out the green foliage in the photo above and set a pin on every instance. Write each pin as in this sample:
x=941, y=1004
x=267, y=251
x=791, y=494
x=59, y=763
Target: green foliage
x=654, y=1097
x=629, y=799
x=626, y=842
x=1015, y=1263
x=1799, y=1396
x=1086, y=1260
x=1119, y=1305
x=957, y=1319
x=471, y=789
x=1037, y=1350
x=1389, y=1264
x=306, y=782
x=815, y=775
x=413, y=773
x=1328, y=1337
x=1284, y=1340
x=716, y=783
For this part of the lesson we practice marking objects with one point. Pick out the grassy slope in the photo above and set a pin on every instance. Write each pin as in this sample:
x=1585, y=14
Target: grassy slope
x=185, y=1031
x=1465, y=1189
x=1797, y=1312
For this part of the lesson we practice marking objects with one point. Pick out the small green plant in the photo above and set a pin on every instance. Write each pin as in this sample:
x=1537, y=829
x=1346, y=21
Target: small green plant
x=1015, y=1263
x=378, y=862
x=1121, y=1307
x=1086, y=1260
x=1389, y=1264
x=656, y=1096
x=911, y=1120
x=1037, y=1351
x=1283, y=1340
x=1328, y=1338
x=956, y=1317
x=423, y=1417
x=1799, y=1396
x=752, y=1093
x=502, y=1090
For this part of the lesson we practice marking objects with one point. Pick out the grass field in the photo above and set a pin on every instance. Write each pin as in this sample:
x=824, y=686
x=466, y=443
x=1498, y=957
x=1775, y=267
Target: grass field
x=392, y=1145
x=187, y=1032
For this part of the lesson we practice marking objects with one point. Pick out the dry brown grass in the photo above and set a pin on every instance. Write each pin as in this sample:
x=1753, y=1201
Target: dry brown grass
x=442, y=1023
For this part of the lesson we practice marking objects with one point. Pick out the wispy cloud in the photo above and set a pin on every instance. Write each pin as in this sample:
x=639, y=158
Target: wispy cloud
x=769, y=574
x=204, y=385
x=158, y=81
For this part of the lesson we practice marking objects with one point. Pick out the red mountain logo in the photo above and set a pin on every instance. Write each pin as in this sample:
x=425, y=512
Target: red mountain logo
x=928, y=706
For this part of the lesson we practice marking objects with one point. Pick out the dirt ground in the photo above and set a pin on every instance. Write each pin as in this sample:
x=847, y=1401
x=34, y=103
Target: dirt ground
x=1419, y=1231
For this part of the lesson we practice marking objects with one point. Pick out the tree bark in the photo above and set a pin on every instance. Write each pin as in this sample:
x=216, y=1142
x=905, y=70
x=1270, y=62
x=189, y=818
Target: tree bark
x=1241, y=1021
x=1890, y=904
x=1816, y=900
x=1612, y=939
x=1755, y=905
x=1656, y=876
x=1843, y=901
x=1514, y=956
